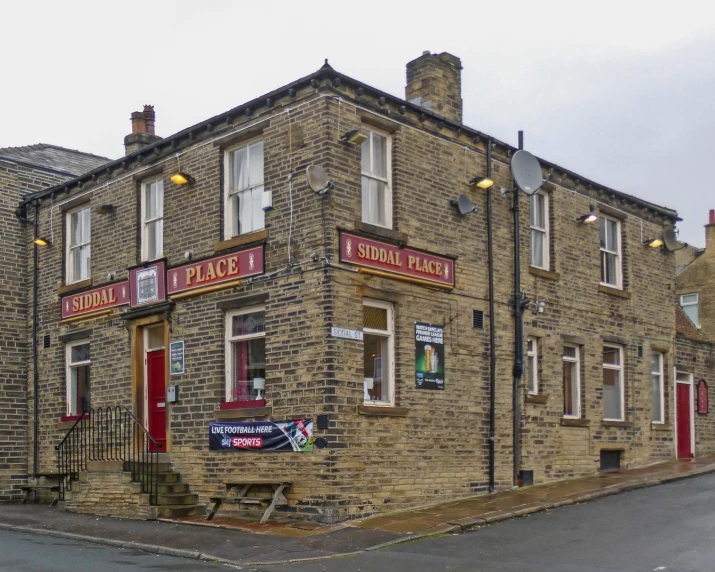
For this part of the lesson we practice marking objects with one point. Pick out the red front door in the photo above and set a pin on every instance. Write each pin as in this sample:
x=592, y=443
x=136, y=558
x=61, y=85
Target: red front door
x=683, y=411
x=156, y=398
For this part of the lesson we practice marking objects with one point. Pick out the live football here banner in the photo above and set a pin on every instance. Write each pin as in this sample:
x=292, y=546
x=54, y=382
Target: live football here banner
x=295, y=435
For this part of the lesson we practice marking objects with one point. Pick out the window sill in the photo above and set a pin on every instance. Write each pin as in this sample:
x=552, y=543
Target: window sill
x=254, y=404
x=568, y=422
x=241, y=239
x=544, y=273
x=608, y=423
x=66, y=422
x=660, y=426
x=74, y=286
x=614, y=291
x=380, y=231
x=387, y=410
x=536, y=398
x=243, y=413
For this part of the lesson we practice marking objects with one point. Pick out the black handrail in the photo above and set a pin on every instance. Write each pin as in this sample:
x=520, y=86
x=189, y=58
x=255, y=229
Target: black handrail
x=109, y=434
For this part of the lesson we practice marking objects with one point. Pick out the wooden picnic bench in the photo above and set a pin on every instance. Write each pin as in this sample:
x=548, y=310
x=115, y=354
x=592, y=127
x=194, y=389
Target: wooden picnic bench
x=242, y=489
x=44, y=486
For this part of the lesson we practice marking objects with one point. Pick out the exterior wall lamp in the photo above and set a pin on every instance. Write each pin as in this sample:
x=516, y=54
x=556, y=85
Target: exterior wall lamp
x=355, y=137
x=42, y=241
x=482, y=182
x=653, y=242
x=182, y=179
x=590, y=217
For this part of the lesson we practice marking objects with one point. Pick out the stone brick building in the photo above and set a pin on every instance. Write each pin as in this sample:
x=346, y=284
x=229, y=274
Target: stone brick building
x=361, y=304
x=23, y=170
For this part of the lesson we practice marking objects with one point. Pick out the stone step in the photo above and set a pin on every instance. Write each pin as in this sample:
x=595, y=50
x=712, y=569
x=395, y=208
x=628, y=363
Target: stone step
x=181, y=510
x=173, y=488
x=177, y=499
x=161, y=466
x=163, y=478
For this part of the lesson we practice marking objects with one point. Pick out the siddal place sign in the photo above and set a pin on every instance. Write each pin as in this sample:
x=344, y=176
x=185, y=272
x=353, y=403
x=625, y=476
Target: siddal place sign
x=383, y=259
x=96, y=300
x=214, y=273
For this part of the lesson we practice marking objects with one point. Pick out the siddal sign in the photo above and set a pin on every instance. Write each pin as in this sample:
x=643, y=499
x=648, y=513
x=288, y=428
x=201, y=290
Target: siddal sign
x=383, y=259
x=96, y=300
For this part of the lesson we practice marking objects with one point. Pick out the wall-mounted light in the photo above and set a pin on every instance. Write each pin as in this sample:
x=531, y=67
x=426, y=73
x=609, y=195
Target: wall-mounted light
x=42, y=241
x=188, y=255
x=482, y=182
x=355, y=137
x=107, y=209
x=590, y=217
x=653, y=242
x=182, y=179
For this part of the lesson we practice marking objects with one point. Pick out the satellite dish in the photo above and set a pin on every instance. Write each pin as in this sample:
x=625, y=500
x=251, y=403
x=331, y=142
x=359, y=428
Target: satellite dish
x=464, y=205
x=318, y=179
x=526, y=172
x=671, y=241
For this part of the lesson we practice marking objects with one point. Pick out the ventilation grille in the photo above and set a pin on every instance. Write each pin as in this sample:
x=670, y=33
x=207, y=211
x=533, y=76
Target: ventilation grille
x=640, y=352
x=46, y=341
x=478, y=319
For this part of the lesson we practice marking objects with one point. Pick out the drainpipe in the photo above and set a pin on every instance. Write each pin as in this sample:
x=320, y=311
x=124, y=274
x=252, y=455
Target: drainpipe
x=492, y=326
x=36, y=420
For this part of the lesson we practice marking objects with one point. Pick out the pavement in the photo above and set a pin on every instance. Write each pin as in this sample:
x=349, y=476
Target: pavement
x=244, y=542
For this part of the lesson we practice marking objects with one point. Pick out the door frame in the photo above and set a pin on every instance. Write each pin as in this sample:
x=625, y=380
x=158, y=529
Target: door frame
x=689, y=383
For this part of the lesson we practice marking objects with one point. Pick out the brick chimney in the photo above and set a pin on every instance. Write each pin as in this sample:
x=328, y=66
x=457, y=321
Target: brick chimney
x=142, y=130
x=710, y=233
x=434, y=81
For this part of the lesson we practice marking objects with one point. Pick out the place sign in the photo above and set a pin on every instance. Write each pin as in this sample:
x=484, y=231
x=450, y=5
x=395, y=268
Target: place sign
x=215, y=271
x=95, y=300
x=399, y=263
x=346, y=334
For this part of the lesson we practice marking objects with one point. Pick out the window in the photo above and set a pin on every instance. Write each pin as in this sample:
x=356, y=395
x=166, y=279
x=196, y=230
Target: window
x=79, y=251
x=152, y=220
x=532, y=365
x=611, y=271
x=572, y=382
x=243, y=207
x=378, y=331
x=376, y=187
x=245, y=355
x=689, y=304
x=613, y=383
x=77, y=360
x=540, y=230
x=658, y=388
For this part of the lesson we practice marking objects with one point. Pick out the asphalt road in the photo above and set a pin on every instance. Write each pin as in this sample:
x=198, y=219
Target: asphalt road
x=668, y=528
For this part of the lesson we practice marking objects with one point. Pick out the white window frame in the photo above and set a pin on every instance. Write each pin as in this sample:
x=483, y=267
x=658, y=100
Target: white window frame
x=70, y=249
x=69, y=404
x=533, y=359
x=659, y=373
x=546, y=231
x=390, y=335
x=621, y=377
x=577, y=361
x=696, y=304
x=617, y=253
x=229, y=338
x=228, y=223
x=146, y=222
x=371, y=175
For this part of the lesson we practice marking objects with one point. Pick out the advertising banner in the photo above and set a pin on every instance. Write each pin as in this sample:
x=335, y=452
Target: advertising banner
x=176, y=357
x=295, y=435
x=400, y=263
x=95, y=300
x=429, y=356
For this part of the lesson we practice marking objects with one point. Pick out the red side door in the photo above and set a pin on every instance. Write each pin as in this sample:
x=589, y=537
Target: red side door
x=156, y=398
x=683, y=410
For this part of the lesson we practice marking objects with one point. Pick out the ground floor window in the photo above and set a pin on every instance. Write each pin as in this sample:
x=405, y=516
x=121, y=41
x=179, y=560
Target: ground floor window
x=532, y=365
x=78, y=366
x=378, y=334
x=572, y=381
x=245, y=355
x=613, y=383
x=658, y=388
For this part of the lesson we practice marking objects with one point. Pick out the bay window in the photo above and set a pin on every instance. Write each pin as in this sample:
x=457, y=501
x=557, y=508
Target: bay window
x=245, y=355
x=243, y=197
x=378, y=340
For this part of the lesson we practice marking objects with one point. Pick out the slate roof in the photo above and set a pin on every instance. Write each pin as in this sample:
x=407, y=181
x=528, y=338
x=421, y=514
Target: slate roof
x=53, y=158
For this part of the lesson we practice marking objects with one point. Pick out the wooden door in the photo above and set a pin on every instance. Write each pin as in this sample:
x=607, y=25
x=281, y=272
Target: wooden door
x=683, y=412
x=156, y=398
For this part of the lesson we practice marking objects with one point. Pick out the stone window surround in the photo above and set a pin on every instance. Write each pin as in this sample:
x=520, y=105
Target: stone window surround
x=228, y=404
x=70, y=280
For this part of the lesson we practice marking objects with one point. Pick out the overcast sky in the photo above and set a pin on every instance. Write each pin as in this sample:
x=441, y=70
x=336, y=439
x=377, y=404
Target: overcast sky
x=621, y=92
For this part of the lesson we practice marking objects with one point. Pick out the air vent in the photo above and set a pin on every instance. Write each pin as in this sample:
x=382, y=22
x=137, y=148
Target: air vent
x=323, y=421
x=640, y=352
x=610, y=460
x=46, y=341
x=478, y=319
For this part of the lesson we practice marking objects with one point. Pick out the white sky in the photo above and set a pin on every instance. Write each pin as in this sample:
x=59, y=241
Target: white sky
x=622, y=92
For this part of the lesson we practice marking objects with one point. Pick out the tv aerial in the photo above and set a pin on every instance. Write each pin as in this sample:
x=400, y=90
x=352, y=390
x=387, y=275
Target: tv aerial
x=670, y=240
x=526, y=171
x=318, y=179
x=464, y=205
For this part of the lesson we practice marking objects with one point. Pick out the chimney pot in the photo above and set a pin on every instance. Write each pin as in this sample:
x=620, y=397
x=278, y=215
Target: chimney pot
x=434, y=81
x=150, y=118
x=138, y=122
x=142, y=130
x=712, y=216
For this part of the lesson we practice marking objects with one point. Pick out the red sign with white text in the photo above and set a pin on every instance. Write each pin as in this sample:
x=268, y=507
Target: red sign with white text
x=225, y=268
x=95, y=300
x=403, y=262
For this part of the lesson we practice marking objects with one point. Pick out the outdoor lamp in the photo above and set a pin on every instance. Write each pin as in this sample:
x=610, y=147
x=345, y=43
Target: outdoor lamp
x=42, y=241
x=653, y=242
x=482, y=182
x=355, y=137
x=590, y=217
x=182, y=179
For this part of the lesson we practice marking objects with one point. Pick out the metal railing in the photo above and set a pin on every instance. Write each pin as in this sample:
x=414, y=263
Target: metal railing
x=109, y=434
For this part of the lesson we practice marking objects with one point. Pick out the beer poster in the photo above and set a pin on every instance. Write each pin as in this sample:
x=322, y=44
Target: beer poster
x=429, y=356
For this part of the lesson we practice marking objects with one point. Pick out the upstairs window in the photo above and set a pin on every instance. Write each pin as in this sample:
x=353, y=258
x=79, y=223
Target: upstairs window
x=79, y=250
x=689, y=304
x=152, y=208
x=613, y=383
x=611, y=271
x=78, y=362
x=572, y=382
x=375, y=169
x=245, y=355
x=378, y=340
x=243, y=207
x=540, y=230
